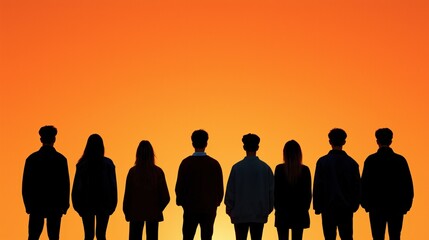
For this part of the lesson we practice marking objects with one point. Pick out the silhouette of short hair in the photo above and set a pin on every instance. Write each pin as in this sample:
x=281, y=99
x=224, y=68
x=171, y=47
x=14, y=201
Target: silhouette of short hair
x=199, y=138
x=337, y=137
x=48, y=134
x=251, y=142
x=384, y=136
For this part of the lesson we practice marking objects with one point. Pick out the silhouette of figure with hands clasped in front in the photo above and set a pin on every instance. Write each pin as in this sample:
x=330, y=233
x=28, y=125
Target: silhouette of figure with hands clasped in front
x=336, y=188
x=46, y=187
x=94, y=193
x=199, y=189
x=249, y=194
x=146, y=194
x=387, y=188
x=292, y=193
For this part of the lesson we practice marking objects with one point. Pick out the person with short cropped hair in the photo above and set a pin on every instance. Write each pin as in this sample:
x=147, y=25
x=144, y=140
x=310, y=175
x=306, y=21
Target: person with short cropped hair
x=249, y=196
x=46, y=187
x=387, y=188
x=199, y=189
x=336, y=188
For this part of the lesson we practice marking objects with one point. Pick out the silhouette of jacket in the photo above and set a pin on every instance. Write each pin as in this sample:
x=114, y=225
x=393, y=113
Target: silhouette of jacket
x=387, y=186
x=146, y=194
x=94, y=188
x=336, y=183
x=46, y=183
x=249, y=194
x=292, y=201
x=199, y=186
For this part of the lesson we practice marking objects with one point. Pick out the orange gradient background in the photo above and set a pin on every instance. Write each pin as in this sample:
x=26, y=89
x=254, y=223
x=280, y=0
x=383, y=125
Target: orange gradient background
x=157, y=70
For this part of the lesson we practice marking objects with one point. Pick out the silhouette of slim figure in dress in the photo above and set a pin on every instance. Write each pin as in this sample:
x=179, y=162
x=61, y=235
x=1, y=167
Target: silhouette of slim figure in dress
x=46, y=187
x=94, y=193
x=249, y=194
x=199, y=189
x=292, y=193
x=387, y=188
x=336, y=188
x=146, y=194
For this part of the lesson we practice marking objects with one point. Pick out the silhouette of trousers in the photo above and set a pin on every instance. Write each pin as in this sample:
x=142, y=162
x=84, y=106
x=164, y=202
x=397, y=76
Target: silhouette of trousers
x=136, y=230
x=378, y=225
x=283, y=233
x=191, y=221
x=343, y=220
x=89, y=226
x=241, y=230
x=36, y=222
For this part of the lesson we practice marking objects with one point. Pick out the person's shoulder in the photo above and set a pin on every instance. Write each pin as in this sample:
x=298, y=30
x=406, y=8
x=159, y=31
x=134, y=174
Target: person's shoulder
x=108, y=162
x=305, y=168
x=280, y=166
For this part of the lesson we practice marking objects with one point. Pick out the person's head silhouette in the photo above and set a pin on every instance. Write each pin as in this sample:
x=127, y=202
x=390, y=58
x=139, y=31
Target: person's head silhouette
x=337, y=137
x=199, y=139
x=384, y=137
x=145, y=156
x=250, y=142
x=48, y=135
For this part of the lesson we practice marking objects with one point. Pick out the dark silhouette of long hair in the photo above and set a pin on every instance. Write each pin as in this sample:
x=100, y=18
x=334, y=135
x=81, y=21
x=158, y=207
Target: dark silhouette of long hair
x=94, y=150
x=145, y=156
x=292, y=156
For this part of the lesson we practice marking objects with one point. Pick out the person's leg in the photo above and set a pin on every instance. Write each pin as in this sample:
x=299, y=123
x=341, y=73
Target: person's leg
x=241, y=230
x=378, y=225
x=283, y=233
x=53, y=224
x=190, y=223
x=151, y=230
x=329, y=226
x=297, y=233
x=256, y=230
x=206, y=225
x=100, y=230
x=136, y=230
x=395, y=226
x=35, y=226
x=345, y=225
x=88, y=226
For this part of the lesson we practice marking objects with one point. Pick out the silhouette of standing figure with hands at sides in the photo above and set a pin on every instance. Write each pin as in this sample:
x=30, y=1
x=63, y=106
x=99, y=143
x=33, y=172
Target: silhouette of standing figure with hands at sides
x=387, y=188
x=94, y=193
x=249, y=194
x=46, y=187
x=292, y=193
x=336, y=188
x=146, y=194
x=199, y=189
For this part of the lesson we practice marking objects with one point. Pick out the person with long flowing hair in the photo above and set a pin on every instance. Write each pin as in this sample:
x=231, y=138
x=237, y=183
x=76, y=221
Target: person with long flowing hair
x=292, y=193
x=94, y=193
x=146, y=194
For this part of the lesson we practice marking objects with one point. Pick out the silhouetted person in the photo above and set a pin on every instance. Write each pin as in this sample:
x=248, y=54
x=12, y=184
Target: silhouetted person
x=146, y=194
x=199, y=189
x=387, y=188
x=94, y=193
x=46, y=187
x=336, y=188
x=249, y=194
x=292, y=193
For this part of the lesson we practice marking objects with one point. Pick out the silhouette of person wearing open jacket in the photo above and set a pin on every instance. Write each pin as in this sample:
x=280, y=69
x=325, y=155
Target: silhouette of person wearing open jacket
x=146, y=194
x=94, y=193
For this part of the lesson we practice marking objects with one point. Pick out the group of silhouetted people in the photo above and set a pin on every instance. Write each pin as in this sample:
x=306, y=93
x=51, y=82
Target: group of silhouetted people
x=385, y=190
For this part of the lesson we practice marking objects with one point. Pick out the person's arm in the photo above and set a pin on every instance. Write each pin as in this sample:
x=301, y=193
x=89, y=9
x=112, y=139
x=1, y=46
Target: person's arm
x=65, y=186
x=317, y=189
x=220, y=189
x=366, y=185
x=408, y=187
x=278, y=188
x=164, y=195
x=307, y=188
x=271, y=189
x=356, y=188
x=114, y=190
x=27, y=193
x=230, y=192
x=180, y=185
x=127, y=196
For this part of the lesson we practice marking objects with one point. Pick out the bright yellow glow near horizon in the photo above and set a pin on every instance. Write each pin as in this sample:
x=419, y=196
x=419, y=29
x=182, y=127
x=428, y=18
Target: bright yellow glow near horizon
x=150, y=70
